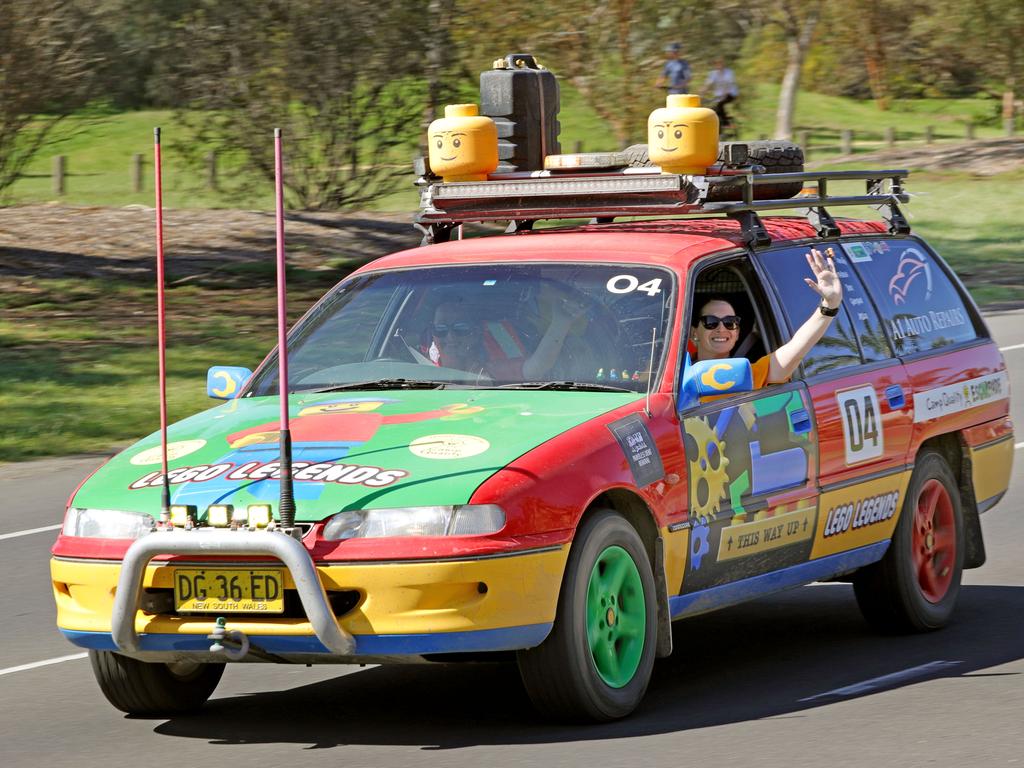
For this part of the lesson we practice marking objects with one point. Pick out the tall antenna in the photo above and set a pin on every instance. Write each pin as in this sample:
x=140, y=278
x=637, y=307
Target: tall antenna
x=286, y=504
x=165, y=495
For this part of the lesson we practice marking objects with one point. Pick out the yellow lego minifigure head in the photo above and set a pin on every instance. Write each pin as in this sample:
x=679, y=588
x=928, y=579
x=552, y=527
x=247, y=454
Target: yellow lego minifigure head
x=463, y=145
x=682, y=137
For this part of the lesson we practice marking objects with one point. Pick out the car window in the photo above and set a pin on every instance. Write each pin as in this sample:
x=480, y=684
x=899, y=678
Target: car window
x=920, y=306
x=854, y=336
x=483, y=325
x=734, y=281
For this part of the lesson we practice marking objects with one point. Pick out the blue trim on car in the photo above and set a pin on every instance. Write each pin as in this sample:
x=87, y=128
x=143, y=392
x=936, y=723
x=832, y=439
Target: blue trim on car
x=757, y=586
x=505, y=639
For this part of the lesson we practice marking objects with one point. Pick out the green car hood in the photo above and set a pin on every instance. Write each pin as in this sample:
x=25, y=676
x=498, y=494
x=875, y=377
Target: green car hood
x=350, y=450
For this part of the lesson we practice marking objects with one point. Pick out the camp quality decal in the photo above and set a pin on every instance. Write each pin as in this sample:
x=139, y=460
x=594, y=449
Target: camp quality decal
x=342, y=474
x=954, y=398
x=857, y=514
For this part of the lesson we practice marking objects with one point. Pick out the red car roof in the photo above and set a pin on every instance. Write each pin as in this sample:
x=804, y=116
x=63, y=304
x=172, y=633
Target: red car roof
x=671, y=242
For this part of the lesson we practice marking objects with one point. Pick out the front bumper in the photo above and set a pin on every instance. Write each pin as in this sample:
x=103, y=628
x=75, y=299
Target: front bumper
x=405, y=609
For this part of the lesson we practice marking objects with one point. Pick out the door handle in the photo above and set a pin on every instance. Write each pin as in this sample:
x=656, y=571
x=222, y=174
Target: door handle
x=894, y=395
x=800, y=421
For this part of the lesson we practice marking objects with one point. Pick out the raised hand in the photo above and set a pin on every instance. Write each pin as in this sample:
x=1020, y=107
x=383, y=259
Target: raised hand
x=826, y=282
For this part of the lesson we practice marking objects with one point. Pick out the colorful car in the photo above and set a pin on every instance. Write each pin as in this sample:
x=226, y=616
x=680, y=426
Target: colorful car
x=500, y=446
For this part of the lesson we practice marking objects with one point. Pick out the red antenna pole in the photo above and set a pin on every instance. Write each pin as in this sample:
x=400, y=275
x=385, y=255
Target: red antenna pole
x=286, y=504
x=165, y=497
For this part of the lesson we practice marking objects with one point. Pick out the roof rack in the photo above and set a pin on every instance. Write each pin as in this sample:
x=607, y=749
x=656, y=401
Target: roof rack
x=523, y=198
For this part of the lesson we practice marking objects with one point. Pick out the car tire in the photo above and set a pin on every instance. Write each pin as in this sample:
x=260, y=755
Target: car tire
x=596, y=663
x=915, y=586
x=144, y=688
x=775, y=156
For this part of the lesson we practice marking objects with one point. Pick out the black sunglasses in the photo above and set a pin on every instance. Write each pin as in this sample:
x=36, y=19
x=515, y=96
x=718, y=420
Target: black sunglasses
x=456, y=329
x=731, y=322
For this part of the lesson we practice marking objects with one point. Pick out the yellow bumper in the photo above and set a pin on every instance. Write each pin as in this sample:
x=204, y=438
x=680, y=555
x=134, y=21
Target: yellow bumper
x=397, y=599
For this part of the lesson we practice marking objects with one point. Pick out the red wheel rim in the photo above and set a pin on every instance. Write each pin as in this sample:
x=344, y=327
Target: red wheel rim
x=934, y=541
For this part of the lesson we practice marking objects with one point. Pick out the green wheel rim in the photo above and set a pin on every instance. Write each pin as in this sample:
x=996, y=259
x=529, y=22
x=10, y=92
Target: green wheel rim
x=616, y=616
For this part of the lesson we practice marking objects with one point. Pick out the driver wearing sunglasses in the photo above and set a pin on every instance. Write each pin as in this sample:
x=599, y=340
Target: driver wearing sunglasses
x=463, y=339
x=716, y=330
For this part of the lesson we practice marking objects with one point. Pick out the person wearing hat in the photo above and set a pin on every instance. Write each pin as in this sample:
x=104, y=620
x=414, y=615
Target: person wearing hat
x=675, y=75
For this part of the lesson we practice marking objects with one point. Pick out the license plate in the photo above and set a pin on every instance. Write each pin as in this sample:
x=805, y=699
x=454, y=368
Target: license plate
x=235, y=590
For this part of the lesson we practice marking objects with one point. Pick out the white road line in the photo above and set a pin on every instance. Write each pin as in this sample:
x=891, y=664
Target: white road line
x=1012, y=346
x=885, y=680
x=30, y=530
x=34, y=664
x=1018, y=445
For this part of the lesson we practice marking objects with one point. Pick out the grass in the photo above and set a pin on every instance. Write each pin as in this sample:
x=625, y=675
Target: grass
x=76, y=377
x=823, y=117
x=975, y=224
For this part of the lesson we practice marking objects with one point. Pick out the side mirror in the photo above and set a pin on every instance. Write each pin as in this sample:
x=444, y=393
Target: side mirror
x=224, y=382
x=714, y=377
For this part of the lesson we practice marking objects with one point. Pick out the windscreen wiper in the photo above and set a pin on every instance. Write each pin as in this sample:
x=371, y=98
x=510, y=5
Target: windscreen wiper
x=383, y=384
x=579, y=386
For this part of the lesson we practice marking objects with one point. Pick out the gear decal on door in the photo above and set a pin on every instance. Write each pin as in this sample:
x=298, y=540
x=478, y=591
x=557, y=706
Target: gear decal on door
x=708, y=476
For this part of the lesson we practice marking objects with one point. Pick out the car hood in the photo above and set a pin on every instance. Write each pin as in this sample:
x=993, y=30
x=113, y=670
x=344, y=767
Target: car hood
x=350, y=450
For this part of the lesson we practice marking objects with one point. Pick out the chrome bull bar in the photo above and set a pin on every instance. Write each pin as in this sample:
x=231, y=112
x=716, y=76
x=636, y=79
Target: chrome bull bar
x=177, y=541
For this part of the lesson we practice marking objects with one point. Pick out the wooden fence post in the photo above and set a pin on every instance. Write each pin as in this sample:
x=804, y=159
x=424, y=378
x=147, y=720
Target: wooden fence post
x=577, y=147
x=1009, y=103
x=846, y=139
x=890, y=137
x=211, y=170
x=970, y=131
x=59, y=172
x=136, y=172
x=929, y=134
x=804, y=140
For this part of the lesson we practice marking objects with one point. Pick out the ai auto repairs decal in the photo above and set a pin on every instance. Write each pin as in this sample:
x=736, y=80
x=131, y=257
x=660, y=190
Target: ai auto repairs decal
x=302, y=471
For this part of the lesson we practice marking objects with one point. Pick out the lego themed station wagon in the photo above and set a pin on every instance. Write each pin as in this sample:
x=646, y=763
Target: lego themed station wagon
x=519, y=445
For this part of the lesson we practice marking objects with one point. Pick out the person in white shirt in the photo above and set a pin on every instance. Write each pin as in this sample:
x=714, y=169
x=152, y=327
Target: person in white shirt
x=722, y=87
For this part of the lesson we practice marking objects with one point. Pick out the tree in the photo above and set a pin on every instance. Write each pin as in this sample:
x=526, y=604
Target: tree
x=610, y=50
x=798, y=20
x=336, y=77
x=49, y=67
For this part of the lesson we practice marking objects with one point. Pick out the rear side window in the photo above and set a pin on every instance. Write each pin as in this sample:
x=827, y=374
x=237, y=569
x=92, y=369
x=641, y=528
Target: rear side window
x=919, y=304
x=854, y=336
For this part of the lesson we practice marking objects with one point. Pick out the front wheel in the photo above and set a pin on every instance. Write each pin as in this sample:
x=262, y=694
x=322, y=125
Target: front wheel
x=915, y=586
x=146, y=688
x=597, y=661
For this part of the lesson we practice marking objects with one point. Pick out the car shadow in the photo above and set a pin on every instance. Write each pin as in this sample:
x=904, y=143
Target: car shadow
x=775, y=657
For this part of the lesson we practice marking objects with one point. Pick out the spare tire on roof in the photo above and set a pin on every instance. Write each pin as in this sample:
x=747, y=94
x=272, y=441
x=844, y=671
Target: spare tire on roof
x=775, y=156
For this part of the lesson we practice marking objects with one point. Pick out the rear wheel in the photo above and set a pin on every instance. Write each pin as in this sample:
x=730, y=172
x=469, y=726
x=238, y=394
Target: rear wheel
x=915, y=586
x=597, y=661
x=143, y=688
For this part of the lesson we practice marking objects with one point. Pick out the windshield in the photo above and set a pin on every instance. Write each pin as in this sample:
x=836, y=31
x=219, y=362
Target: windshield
x=531, y=325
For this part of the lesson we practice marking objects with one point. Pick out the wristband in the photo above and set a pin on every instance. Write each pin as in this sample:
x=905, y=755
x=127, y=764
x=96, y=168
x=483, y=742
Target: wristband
x=828, y=311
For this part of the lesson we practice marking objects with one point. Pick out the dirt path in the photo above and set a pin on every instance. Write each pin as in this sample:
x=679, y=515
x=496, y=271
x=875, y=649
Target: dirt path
x=982, y=157
x=218, y=247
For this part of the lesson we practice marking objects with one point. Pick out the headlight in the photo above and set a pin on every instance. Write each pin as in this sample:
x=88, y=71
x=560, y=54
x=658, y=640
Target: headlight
x=471, y=519
x=106, y=524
